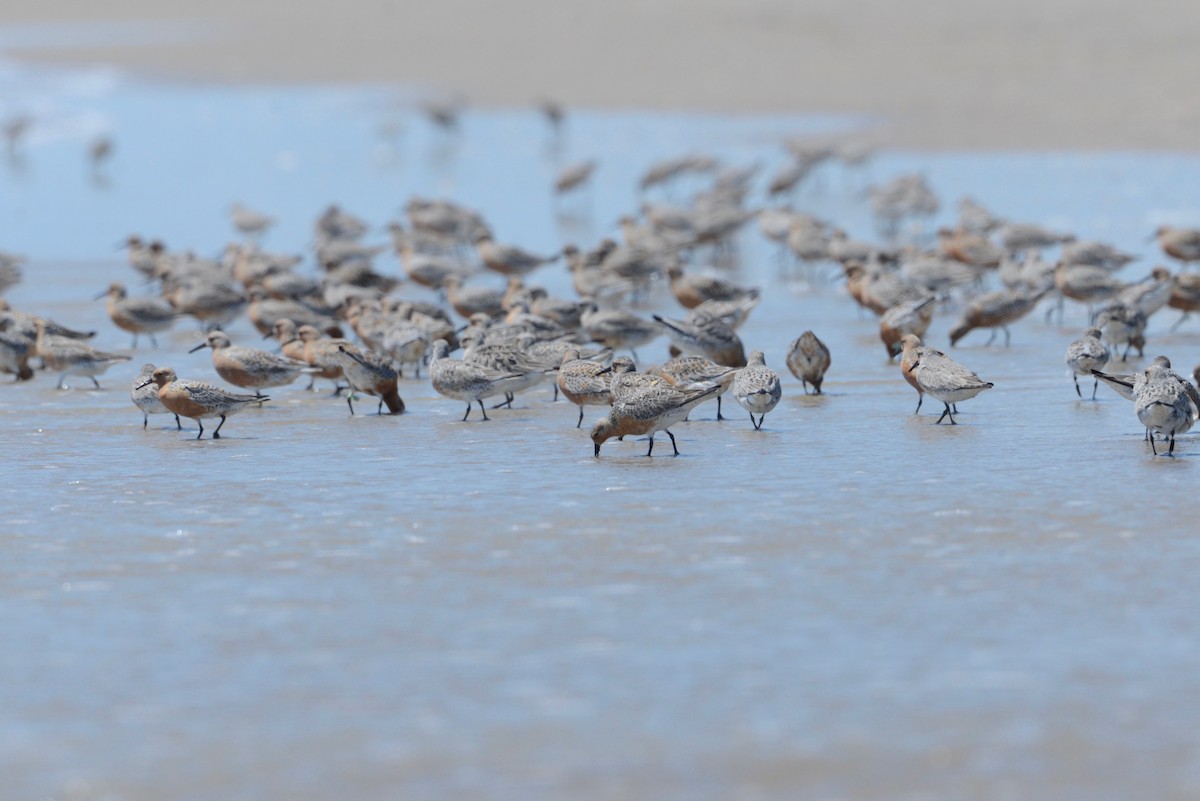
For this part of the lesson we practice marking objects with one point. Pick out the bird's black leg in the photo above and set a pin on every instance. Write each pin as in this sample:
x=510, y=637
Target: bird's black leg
x=920, y=400
x=485, y=417
x=350, y=403
x=1095, y=385
x=217, y=433
x=1171, y=450
x=468, y=414
x=673, y=445
x=379, y=408
x=650, y=450
x=178, y=425
x=752, y=421
x=200, y=423
x=580, y=423
x=94, y=381
x=943, y=417
x=153, y=341
x=145, y=420
x=1153, y=449
x=1076, y=379
x=761, y=418
x=719, y=417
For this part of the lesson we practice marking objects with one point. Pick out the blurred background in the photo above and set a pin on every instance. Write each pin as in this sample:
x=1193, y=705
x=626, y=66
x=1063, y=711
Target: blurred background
x=1072, y=74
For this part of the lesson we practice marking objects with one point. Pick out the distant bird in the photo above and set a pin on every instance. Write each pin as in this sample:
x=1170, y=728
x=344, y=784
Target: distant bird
x=248, y=221
x=1179, y=243
x=573, y=176
x=72, y=357
x=140, y=315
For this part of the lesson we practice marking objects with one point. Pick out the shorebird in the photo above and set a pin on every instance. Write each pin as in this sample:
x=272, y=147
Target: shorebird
x=1125, y=385
x=249, y=368
x=319, y=354
x=617, y=329
x=213, y=304
x=1086, y=283
x=10, y=270
x=1165, y=403
x=249, y=222
x=647, y=410
x=709, y=337
x=573, y=176
x=14, y=356
x=508, y=259
x=995, y=310
x=466, y=382
x=1020, y=237
x=371, y=374
x=808, y=359
x=911, y=350
x=908, y=317
x=944, y=379
x=1123, y=325
x=507, y=358
x=626, y=380
x=583, y=382
x=72, y=357
x=138, y=315
x=970, y=248
x=1179, y=243
x=697, y=372
x=692, y=290
x=472, y=300
x=1086, y=355
x=144, y=394
x=756, y=387
x=197, y=400
x=1096, y=254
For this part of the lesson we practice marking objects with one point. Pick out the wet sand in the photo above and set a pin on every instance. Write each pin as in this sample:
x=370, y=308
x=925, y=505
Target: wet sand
x=967, y=75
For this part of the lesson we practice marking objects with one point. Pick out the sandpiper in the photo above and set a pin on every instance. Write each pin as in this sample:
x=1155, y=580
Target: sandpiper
x=368, y=372
x=198, y=400
x=138, y=315
x=646, y=411
x=757, y=388
x=249, y=368
x=583, y=382
x=808, y=359
x=466, y=382
x=144, y=394
x=946, y=380
x=72, y=357
x=1085, y=355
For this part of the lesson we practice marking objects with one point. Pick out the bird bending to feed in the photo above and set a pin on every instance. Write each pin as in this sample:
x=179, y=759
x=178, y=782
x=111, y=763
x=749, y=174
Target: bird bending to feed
x=369, y=373
x=646, y=410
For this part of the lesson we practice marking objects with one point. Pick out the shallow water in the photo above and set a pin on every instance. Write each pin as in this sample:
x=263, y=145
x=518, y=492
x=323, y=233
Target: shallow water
x=854, y=603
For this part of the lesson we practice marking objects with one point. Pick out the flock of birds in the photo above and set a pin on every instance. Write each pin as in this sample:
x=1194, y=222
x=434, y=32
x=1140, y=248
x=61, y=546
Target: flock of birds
x=513, y=338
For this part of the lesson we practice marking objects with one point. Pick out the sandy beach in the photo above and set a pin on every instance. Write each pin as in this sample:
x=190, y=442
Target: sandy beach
x=1071, y=75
